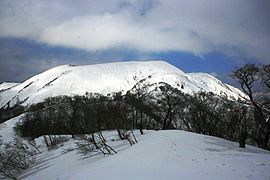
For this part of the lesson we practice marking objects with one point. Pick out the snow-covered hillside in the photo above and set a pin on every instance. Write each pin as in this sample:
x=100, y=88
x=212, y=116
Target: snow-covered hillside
x=108, y=78
x=159, y=155
x=7, y=85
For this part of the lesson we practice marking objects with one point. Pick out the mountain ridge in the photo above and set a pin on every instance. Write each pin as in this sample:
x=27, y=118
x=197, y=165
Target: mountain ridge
x=108, y=78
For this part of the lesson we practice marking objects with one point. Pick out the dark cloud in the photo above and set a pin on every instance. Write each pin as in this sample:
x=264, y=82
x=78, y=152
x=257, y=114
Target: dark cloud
x=20, y=59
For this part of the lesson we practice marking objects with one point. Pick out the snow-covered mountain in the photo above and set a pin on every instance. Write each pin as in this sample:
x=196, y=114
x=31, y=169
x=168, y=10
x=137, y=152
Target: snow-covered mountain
x=108, y=78
x=7, y=85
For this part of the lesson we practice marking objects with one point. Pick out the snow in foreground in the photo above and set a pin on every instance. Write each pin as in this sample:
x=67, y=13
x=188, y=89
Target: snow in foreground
x=161, y=155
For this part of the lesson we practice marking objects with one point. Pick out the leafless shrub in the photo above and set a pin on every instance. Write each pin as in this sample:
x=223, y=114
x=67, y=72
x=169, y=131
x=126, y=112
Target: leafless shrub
x=52, y=141
x=33, y=144
x=14, y=158
x=126, y=135
x=93, y=143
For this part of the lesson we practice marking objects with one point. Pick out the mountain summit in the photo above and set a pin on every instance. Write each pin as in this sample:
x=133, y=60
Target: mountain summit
x=111, y=77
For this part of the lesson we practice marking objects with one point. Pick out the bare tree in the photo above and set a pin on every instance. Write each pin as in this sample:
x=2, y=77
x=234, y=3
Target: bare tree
x=248, y=76
x=139, y=95
x=94, y=142
x=169, y=102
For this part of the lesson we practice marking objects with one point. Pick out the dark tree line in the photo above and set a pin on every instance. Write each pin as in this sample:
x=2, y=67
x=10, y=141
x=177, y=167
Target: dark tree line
x=7, y=113
x=84, y=115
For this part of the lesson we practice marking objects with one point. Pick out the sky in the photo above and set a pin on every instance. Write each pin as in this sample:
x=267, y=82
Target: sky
x=213, y=36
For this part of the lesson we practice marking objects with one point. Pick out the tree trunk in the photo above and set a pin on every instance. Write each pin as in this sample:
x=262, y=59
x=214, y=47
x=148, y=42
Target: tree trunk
x=141, y=131
x=169, y=122
x=141, y=113
x=242, y=129
x=94, y=141
x=242, y=140
x=46, y=141
x=120, y=134
x=133, y=117
x=165, y=120
x=267, y=136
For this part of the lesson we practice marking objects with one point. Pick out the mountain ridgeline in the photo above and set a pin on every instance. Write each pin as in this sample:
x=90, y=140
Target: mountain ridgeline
x=129, y=95
x=109, y=78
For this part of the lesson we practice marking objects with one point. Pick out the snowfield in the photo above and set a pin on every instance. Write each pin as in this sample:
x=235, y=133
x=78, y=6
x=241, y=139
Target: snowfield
x=109, y=78
x=160, y=155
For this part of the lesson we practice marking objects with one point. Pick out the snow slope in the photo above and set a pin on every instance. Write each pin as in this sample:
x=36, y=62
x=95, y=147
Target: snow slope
x=171, y=155
x=108, y=78
x=160, y=155
x=7, y=85
x=7, y=133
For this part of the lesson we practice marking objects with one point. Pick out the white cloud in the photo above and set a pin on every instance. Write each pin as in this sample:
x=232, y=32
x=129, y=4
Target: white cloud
x=236, y=28
x=111, y=30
